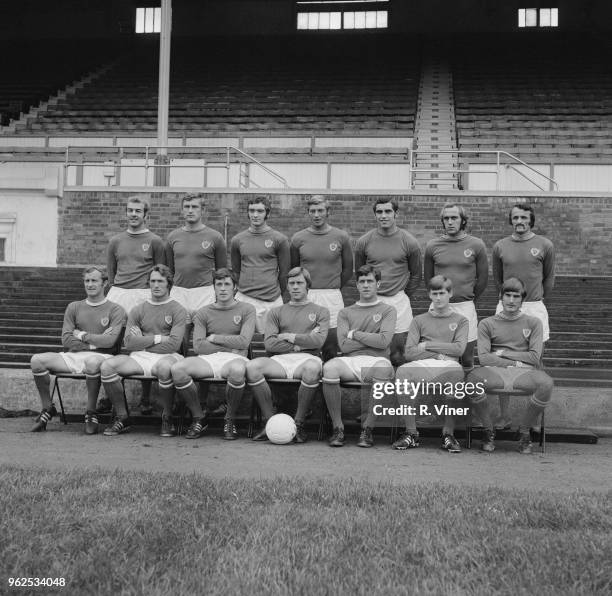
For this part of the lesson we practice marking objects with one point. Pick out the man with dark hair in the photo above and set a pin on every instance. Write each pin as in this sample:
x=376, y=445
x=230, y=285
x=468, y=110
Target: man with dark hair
x=531, y=258
x=154, y=333
x=326, y=252
x=260, y=261
x=90, y=332
x=194, y=251
x=130, y=256
x=221, y=338
x=365, y=331
x=463, y=259
x=294, y=335
x=436, y=341
x=510, y=351
x=397, y=255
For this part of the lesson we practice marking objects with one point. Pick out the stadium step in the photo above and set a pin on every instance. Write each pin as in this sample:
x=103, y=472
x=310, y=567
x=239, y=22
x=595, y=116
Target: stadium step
x=578, y=352
x=435, y=125
x=37, y=333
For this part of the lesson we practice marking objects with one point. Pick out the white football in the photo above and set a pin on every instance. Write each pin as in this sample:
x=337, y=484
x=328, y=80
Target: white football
x=281, y=429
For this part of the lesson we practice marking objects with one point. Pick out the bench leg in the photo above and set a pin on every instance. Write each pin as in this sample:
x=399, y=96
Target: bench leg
x=125, y=401
x=468, y=429
x=59, y=397
x=255, y=416
x=182, y=414
x=325, y=420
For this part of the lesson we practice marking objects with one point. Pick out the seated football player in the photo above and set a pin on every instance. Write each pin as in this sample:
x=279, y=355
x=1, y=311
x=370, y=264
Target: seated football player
x=154, y=334
x=294, y=335
x=436, y=340
x=222, y=334
x=365, y=331
x=510, y=351
x=91, y=329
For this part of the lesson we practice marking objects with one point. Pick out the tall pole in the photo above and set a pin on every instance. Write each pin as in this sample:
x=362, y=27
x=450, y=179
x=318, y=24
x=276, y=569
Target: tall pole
x=164, y=77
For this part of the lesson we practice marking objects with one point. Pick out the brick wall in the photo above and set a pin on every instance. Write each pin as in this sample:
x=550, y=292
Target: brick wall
x=580, y=227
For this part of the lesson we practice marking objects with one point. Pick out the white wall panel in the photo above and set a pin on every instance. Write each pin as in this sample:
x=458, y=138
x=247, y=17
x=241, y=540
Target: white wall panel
x=135, y=176
x=310, y=175
x=192, y=175
x=577, y=178
x=370, y=176
x=34, y=231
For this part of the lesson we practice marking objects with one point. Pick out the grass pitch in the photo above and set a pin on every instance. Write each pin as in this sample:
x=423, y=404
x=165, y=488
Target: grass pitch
x=154, y=534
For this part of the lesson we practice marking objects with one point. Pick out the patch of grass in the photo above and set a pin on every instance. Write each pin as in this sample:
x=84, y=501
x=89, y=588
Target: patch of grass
x=145, y=533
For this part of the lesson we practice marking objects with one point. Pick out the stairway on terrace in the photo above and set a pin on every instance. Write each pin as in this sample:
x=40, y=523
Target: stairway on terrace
x=435, y=125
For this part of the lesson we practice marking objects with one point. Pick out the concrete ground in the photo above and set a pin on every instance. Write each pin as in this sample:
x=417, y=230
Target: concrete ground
x=565, y=467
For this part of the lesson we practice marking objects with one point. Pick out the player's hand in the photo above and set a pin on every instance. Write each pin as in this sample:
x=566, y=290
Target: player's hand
x=297, y=349
x=421, y=346
x=211, y=338
x=442, y=357
x=108, y=331
x=499, y=353
x=135, y=330
x=76, y=333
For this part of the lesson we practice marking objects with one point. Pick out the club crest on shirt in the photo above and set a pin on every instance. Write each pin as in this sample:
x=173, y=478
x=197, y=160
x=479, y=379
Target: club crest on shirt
x=377, y=317
x=312, y=317
x=145, y=247
x=526, y=333
x=468, y=252
x=333, y=246
x=104, y=321
x=205, y=244
x=237, y=319
x=168, y=319
x=534, y=251
x=268, y=243
x=452, y=326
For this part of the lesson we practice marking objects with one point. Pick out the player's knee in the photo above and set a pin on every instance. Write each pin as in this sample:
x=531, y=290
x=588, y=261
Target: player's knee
x=253, y=371
x=383, y=373
x=178, y=373
x=311, y=372
x=37, y=363
x=107, y=368
x=236, y=371
x=545, y=383
x=92, y=365
x=163, y=370
x=331, y=370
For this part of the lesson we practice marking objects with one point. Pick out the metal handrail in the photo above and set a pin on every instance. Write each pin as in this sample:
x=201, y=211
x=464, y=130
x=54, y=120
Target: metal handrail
x=497, y=153
x=246, y=158
x=149, y=149
x=256, y=161
x=526, y=177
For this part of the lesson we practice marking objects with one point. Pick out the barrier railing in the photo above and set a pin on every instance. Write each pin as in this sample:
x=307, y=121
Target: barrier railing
x=111, y=161
x=161, y=164
x=498, y=163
